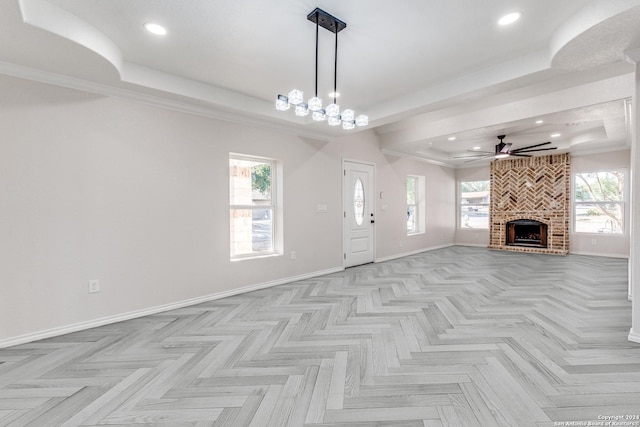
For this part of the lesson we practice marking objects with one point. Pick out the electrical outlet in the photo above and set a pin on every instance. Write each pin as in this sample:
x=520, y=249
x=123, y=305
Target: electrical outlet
x=94, y=286
x=293, y=254
x=594, y=242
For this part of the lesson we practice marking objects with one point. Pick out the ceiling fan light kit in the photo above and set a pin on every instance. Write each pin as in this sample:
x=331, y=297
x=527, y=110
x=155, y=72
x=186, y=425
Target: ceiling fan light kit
x=503, y=151
x=331, y=112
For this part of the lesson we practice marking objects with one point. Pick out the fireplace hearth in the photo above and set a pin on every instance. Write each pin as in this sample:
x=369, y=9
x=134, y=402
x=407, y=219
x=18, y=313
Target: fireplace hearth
x=527, y=233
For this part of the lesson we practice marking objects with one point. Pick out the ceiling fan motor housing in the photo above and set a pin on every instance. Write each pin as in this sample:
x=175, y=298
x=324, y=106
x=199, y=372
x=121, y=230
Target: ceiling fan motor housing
x=502, y=148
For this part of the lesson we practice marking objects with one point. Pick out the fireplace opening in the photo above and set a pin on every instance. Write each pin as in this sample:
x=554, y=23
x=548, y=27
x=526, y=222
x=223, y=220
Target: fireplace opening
x=526, y=232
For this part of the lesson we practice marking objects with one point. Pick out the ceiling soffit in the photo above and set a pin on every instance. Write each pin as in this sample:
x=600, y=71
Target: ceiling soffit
x=589, y=41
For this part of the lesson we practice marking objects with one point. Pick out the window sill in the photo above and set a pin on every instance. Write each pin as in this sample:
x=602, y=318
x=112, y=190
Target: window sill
x=586, y=233
x=251, y=256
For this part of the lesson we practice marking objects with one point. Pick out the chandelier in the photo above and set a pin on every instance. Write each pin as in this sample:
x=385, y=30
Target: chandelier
x=331, y=112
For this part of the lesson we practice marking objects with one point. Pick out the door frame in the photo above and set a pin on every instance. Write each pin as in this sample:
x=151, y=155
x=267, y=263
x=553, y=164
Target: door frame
x=344, y=208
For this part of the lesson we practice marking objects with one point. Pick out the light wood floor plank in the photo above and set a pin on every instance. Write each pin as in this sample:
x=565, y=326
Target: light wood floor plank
x=338, y=376
x=318, y=404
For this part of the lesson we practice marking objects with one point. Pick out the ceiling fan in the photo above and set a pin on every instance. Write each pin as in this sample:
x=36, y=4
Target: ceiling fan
x=503, y=150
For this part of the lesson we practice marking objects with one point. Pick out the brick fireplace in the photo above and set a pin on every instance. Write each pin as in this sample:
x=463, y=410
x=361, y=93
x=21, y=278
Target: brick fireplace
x=529, y=207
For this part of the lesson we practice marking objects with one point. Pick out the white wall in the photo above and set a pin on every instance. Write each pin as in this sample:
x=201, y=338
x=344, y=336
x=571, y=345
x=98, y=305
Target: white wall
x=136, y=196
x=606, y=245
x=467, y=236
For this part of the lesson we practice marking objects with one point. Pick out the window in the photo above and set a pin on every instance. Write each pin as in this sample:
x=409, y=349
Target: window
x=358, y=202
x=252, y=205
x=415, y=204
x=599, y=202
x=474, y=204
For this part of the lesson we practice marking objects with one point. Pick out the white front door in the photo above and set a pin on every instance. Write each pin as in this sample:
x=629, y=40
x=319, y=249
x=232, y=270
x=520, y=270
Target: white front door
x=359, y=210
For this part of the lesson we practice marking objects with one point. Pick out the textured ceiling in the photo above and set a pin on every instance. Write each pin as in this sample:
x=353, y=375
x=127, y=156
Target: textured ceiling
x=422, y=70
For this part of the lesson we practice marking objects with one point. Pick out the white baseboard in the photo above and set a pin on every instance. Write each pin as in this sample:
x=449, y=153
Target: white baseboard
x=474, y=245
x=602, y=254
x=63, y=330
x=634, y=337
x=417, y=251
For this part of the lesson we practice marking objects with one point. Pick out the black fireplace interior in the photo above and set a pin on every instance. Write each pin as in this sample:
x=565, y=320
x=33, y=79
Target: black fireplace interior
x=525, y=232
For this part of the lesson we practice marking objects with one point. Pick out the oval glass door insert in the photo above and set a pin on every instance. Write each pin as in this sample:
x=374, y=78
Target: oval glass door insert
x=358, y=202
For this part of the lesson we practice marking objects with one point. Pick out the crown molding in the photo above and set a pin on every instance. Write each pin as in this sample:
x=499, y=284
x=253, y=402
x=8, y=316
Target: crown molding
x=41, y=76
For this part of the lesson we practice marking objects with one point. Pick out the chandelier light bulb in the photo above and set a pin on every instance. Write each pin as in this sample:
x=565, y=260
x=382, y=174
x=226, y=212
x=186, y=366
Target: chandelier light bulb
x=315, y=104
x=362, y=120
x=296, y=97
x=348, y=115
x=282, y=103
x=348, y=125
x=319, y=115
x=333, y=110
x=302, y=110
x=334, y=120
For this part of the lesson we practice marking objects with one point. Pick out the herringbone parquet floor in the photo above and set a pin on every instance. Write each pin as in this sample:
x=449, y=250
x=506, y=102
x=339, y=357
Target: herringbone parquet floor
x=453, y=337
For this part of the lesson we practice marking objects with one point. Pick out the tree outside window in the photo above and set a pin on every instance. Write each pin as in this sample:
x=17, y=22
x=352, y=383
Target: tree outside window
x=252, y=206
x=474, y=204
x=416, y=204
x=599, y=202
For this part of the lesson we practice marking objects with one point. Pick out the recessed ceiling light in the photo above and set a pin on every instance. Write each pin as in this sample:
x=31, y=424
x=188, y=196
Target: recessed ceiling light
x=334, y=94
x=509, y=18
x=539, y=122
x=452, y=138
x=476, y=148
x=555, y=135
x=156, y=29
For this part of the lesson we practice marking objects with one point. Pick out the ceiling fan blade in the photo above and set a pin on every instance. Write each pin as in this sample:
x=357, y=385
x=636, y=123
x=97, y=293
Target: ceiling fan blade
x=520, y=155
x=478, y=158
x=537, y=149
x=531, y=146
x=473, y=157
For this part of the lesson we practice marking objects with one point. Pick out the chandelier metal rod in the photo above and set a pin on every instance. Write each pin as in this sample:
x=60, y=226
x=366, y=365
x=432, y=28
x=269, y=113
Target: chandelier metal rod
x=335, y=72
x=317, y=28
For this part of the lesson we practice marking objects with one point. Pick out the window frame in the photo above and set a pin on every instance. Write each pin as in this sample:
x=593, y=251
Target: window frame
x=460, y=225
x=414, y=227
x=622, y=202
x=273, y=206
x=419, y=204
